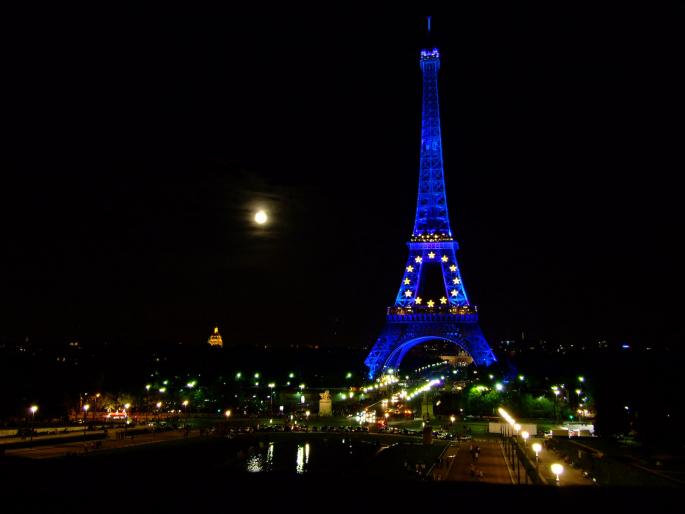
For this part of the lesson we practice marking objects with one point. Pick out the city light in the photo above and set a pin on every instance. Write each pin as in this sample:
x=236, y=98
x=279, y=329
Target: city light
x=499, y=386
x=557, y=469
x=227, y=413
x=537, y=447
x=33, y=409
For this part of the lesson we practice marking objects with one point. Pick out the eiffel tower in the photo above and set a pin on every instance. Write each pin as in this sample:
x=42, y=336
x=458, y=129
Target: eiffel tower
x=431, y=303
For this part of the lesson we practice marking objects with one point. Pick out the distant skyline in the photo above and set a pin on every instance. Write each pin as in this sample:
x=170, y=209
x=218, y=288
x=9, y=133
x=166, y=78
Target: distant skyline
x=141, y=145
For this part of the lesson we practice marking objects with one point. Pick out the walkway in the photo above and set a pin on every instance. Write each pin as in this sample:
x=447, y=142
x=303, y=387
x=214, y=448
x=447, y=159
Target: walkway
x=490, y=462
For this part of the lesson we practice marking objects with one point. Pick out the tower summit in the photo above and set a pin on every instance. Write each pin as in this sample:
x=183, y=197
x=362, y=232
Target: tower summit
x=431, y=302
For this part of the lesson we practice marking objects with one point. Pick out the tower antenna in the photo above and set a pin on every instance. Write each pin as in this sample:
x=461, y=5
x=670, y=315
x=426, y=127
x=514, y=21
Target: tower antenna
x=429, y=24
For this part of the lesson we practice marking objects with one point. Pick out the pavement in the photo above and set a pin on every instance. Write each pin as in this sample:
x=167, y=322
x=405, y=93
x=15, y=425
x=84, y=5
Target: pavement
x=570, y=476
x=490, y=462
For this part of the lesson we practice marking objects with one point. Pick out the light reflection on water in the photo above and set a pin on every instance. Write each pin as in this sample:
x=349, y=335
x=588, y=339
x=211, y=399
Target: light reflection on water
x=257, y=462
x=303, y=457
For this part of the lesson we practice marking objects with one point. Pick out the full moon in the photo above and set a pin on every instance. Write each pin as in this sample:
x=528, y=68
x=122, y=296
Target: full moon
x=260, y=217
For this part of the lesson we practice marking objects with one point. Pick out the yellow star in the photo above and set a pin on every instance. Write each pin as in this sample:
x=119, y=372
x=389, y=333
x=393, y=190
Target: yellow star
x=453, y=268
x=444, y=258
x=454, y=292
x=443, y=300
x=410, y=268
x=418, y=300
x=407, y=281
x=407, y=293
x=418, y=259
x=456, y=280
x=431, y=255
x=430, y=303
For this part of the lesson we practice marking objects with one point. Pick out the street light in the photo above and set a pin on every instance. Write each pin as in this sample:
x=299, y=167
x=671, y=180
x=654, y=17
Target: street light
x=556, y=396
x=127, y=406
x=227, y=413
x=557, y=469
x=525, y=436
x=33, y=410
x=271, y=396
x=85, y=419
x=185, y=411
x=147, y=402
x=537, y=447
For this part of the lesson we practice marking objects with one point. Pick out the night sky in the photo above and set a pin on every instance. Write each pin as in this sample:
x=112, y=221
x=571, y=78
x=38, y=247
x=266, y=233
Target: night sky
x=138, y=144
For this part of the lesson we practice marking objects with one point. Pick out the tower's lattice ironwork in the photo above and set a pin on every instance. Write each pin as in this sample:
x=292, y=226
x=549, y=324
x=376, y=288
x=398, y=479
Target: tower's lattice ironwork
x=423, y=311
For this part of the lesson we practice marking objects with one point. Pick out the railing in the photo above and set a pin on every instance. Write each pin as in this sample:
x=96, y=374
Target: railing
x=518, y=458
x=432, y=314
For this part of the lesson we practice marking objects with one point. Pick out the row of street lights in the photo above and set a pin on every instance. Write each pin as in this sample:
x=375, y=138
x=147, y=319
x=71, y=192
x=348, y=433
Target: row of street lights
x=556, y=468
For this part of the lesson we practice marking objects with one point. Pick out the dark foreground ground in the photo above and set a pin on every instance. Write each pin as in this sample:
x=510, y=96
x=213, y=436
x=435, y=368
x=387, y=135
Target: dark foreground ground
x=197, y=476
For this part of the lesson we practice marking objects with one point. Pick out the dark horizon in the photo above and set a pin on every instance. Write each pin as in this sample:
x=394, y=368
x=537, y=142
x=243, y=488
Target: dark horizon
x=141, y=143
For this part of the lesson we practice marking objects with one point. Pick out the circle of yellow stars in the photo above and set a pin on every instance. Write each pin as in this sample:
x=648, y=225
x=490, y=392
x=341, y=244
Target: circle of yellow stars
x=430, y=303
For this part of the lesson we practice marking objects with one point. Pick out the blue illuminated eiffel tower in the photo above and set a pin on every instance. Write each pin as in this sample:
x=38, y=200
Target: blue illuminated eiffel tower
x=431, y=302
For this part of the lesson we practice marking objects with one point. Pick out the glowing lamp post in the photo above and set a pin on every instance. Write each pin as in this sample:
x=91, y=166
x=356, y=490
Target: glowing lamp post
x=271, y=396
x=33, y=410
x=185, y=410
x=227, y=414
x=525, y=436
x=556, y=396
x=557, y=469
x=537, y=447
x=127, y=406
x=85, y=418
